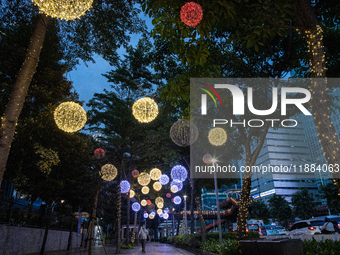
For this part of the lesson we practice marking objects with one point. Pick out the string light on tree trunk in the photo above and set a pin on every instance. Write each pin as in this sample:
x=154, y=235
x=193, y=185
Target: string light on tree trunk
x=157, y=186
x=144, y=179
x=99, y=153
x=70, y=117
x=155, y=174
x=108, y=172
x=217, y=136
x=145, y=190
x=183, y=132
x=191, y=14
x=145, y=110
x=64, y=9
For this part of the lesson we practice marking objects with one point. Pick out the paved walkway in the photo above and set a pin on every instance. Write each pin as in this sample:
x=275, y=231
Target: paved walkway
x=151, y=249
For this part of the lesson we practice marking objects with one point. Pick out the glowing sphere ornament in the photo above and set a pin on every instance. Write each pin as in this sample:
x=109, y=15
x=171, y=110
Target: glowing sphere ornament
x=159, y=200
x=157, y=186
x=99, y=153
x=191, y=14
x=151, y=216
x=155, y=174
x=70, y=117
x=168, y=195
x=160, y=205
x=143, y=202
x=159, y=211
x=177, y=200
x=153, y=212
x=124, y=186
x=179, y=173
x=207, y=158
x=108, y=172
x=164, y=179
x=144, y=179
x=183, y=133
x=176, y=183
x=148, y=202
x=132, y=193
x=174, y=189
x=64, y=9
x=165, y=216
x=136, y=206
x=145, y=110
x=217, y=136
x=146, y=215
x=145, y=190
x=135, y=173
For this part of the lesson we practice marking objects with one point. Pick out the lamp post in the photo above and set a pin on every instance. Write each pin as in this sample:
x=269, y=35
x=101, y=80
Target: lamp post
x=173, y=221
x=185, y=211
x=217, y=204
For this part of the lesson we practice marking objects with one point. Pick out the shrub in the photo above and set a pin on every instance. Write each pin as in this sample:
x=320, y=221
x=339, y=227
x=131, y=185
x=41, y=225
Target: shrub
x=163, y=239
x=228, y=247
x=321, y=248
x=171, y=239
x=129, y=246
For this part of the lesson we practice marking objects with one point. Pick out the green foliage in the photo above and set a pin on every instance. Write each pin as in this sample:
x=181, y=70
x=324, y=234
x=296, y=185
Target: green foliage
x=321, y=248
x=280, y=209
x=228, y=246
x=129, y=246
x=163, y=239
x=330, y=192
x=259, y=210
x=303, y=203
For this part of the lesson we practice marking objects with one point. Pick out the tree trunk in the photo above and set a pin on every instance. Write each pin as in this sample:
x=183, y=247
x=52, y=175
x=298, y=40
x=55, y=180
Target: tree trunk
x=48, y=222
x=201, y=219
x=14, y=106
x=178, y=222
x=128, y=220
x=119, y=219
x=93, y=216
x=134, y=228
x=69, y=244
x=192, y=226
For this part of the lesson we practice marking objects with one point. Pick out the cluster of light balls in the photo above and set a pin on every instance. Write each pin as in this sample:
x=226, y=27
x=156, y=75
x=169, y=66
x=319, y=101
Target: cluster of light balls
x=217, y=136
x=64, y=9
x=145, y=110
x=108, y=172
x=144, y=179
x=136, y=206
x=124, y=186
x=191, y=14
x=70, y=117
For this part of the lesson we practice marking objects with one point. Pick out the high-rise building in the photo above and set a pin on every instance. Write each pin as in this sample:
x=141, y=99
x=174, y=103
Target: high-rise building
x=281, y=151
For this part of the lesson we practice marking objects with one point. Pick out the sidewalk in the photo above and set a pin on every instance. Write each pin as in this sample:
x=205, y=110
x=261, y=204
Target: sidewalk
x=151, y=249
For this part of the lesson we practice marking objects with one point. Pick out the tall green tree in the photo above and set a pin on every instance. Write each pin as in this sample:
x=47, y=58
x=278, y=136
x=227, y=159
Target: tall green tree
x=107, y=21
x=329, y=192
x=259, y=210
x=280, y=209
x=303, y=204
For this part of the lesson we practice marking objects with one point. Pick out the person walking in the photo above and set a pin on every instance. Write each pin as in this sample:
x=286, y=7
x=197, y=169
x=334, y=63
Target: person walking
x=143, y=234
x=329, y=227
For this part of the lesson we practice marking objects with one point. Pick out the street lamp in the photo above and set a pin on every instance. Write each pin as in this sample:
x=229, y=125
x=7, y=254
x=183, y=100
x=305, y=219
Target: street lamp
x=185, y=206
x=213, y=161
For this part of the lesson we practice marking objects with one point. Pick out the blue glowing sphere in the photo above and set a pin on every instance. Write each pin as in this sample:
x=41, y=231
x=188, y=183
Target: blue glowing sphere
x=146, y=215
x=177, y=200
x=179, y=173
x=124, y=186
x=136, y=206
x=164, y=179
x=177, y=183
x=165, y=216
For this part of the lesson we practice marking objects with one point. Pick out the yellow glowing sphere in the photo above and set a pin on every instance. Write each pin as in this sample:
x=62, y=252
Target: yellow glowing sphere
x=174, y=188
x=64, y=9
x=108, y=172
x=145, y=110
x=132, y=193
x=159, y=200
x=160, y=205
x=70, y=117
x=143, y=202
x=217, y=136
x=155, y=174
x=145, y=190
x=144, y=179
x=159, y=211
x=151, y=216
x=157, y=186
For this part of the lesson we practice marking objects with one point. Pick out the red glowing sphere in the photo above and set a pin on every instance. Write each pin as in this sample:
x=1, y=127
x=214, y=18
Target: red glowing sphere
x=191, y=14
x=172, y=200
x=148, y=202
x=168, y=195
x=99, y=153
x=135, y=173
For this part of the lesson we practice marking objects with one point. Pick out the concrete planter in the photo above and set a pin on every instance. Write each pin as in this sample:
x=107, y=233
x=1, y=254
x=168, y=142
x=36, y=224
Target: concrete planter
x=277, y=247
